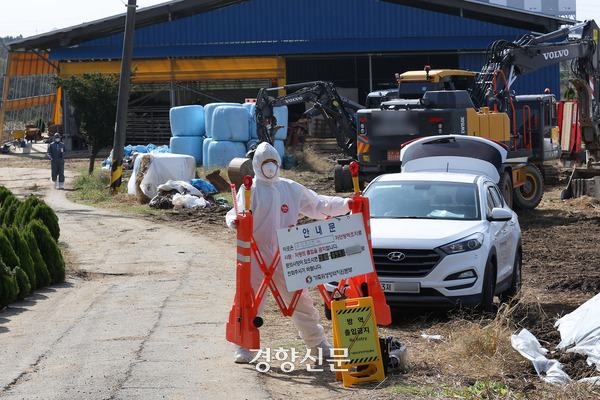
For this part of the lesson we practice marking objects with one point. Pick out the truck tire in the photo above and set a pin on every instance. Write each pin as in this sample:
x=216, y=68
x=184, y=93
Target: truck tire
x=506, y=188
x=529, y=195
x=337, y=178
x=346, y=179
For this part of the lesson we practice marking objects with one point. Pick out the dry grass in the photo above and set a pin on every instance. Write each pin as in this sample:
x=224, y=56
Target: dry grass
x=310, y=160
x=476, y=360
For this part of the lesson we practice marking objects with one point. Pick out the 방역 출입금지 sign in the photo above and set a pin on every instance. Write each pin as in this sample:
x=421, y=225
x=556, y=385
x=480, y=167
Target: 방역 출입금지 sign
x=324, y=251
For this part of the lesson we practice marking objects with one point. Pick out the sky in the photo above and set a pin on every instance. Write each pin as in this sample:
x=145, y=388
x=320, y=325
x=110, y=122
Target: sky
x=34, y=17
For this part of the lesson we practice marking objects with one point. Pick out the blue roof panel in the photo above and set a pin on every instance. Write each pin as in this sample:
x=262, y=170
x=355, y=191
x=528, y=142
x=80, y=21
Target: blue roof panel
x=269, y=27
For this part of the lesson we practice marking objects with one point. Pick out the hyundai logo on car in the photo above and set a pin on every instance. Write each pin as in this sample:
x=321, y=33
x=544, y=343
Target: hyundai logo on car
x=396, y=256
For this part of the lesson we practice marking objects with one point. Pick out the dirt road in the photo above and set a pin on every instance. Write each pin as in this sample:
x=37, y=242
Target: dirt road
x=144, y=317
x=143, y=311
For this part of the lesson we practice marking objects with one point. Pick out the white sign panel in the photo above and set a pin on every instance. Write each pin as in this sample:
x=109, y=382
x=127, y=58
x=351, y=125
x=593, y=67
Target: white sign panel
x=324, y=251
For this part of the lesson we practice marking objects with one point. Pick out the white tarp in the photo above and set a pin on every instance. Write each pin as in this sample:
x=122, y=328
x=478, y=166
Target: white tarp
x=529, y=347
x=162, y=168
x=581, y=328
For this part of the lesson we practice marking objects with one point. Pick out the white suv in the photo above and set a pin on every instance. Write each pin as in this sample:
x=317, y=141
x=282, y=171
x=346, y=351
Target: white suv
x=445, y=238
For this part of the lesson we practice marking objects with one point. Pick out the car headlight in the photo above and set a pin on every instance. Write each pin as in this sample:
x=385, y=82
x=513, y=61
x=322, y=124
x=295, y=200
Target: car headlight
x=472, y=242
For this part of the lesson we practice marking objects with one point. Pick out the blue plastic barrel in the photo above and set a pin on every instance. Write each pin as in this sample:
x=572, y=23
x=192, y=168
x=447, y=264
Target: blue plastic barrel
x=221, y=152
x=231, y=123
x=189, y=145
x=209, y=109
x=187, y=121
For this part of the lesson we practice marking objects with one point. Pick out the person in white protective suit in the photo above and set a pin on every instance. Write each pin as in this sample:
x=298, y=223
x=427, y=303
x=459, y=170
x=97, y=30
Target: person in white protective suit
x=276, y=203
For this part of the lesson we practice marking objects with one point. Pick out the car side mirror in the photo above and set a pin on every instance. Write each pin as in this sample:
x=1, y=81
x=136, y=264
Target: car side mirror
x=500, y=214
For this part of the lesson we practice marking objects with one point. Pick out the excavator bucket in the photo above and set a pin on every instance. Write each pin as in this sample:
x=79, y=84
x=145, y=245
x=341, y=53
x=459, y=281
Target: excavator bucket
x=583, y=182
x=238, y=168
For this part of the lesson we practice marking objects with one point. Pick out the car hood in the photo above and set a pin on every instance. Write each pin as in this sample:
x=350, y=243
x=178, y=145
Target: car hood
x=420, y=233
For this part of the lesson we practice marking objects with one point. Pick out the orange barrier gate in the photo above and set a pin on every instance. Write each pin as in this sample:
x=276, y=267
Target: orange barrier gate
x=242, y=328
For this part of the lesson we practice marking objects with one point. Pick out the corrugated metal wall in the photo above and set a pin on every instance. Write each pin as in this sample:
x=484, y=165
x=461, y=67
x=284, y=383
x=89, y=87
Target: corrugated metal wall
x=295, y=27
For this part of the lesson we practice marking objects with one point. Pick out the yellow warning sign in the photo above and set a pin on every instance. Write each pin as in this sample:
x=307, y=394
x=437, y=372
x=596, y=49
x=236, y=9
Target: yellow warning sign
x=355, y=329
x=356, y=334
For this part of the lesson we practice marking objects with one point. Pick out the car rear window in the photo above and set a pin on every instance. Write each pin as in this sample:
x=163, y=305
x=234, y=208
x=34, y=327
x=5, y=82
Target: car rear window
x=430, y=200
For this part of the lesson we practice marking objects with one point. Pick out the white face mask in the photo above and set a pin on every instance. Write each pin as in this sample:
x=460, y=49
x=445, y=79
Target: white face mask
x=269, y=170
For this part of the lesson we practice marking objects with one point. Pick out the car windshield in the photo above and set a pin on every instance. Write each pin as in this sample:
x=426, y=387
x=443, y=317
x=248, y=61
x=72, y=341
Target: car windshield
x=428, y=200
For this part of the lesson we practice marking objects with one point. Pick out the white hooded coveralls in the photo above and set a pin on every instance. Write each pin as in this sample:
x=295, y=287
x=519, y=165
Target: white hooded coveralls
x=276, y=203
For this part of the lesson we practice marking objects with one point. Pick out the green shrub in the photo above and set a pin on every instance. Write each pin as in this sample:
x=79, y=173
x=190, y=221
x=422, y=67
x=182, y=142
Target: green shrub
x=46, y=214
x=23, y=215
x=6, y=205
x=7, y=253
x=21, y=248
x=22, y=282
x=9, y=288
x=42, y=275
x=9, y=215
x=51, y=254
x=35, y=208
x=4, y=192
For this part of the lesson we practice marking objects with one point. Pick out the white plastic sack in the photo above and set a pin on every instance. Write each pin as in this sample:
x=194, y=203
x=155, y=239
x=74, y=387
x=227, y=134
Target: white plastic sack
x=529, y=347
x=181, y=186
x=164, y=167
x=580, y=324
x=188, y=201
x=582, y=328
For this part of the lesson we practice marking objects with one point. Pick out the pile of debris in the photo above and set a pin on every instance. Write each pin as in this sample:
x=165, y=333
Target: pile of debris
x=181, y=194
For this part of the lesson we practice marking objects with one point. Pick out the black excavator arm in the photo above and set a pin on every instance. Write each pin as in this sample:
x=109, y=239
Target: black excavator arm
x=323, y=98
x=530, y=53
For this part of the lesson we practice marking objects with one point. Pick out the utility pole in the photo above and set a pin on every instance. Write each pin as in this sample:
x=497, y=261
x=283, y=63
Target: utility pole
x=116, y=170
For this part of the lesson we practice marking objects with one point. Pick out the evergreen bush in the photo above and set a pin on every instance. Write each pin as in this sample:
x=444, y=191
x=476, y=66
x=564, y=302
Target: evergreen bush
x=21, y=248
x=46, y=214
x=42, y=275
x=23, y=215
x=4, y=192
x=9, y=288
x=7, y=253
x=22, y=283
x=6, y=204
x=51, y=254
x=9, y=215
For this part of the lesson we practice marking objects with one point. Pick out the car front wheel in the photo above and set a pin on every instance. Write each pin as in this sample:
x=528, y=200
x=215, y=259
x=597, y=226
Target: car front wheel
x=489, y=287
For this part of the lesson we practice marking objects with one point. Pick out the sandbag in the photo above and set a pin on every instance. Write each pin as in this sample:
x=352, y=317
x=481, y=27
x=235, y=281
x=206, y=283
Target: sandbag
x=230, y=123
x=220, y=153
x=209, y=110
x=187, y=120
x=189, y=145
x=280, y=147
x=281, y=114
x=251, y=107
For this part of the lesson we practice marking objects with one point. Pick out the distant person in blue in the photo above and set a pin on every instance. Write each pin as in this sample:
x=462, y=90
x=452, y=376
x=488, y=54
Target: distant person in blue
x=56, y=152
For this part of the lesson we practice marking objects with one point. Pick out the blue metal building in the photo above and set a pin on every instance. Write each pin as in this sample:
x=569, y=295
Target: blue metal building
x=207, y=54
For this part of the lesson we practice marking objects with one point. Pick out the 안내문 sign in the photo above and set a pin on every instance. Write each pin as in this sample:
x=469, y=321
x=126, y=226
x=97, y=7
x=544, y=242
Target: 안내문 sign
x=324, y=251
